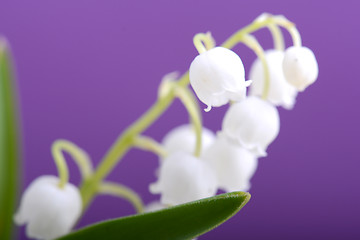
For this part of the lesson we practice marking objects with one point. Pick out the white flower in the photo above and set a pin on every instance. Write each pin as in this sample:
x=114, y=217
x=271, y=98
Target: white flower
x=183, y=138
x=253, y=123
x=184, y=178
x=300, y=67
x=234, y=165
x=281, y=93
x=218, y=76
x=49, y=211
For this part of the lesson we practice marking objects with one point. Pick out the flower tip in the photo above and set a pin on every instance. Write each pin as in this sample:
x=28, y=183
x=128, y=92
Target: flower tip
x=261, y=153
x=208, y=108
x=248, y=83
x=18, y=219
x=154, y=188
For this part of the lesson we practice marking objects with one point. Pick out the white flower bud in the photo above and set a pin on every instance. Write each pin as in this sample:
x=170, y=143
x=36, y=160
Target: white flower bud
x=234, y=165
x=49, y=211
x=300, y=67
x=183, y=138
x=184, y=178
x=218, y=76
x=253, y=123
x=281, y=93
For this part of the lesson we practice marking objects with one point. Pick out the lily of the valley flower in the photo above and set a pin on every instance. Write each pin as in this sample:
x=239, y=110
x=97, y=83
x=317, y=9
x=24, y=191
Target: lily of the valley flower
x=183, y=139
x=300, y=67
x=234, y=165
x=184, y=178
x=218, y=76
x=49, y=211
x=281, y=93
x=253, y=123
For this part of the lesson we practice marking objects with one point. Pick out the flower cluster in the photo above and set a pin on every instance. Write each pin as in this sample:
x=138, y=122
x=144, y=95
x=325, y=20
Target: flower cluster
x=194, y=161
x=229, y=159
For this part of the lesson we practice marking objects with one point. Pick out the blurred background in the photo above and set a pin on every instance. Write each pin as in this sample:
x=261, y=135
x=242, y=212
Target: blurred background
x=86, y=69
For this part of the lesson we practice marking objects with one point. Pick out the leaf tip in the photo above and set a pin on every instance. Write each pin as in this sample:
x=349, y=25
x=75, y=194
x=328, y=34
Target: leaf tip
x=244, y=198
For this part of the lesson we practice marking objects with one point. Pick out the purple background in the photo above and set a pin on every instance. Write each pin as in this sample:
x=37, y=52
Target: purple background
x=86, y=69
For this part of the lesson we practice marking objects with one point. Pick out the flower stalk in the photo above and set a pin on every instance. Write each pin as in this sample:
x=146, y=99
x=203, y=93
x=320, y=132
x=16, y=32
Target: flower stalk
x=149, y=144
x=203, y=42
x=188, y=99
x=119, y=190
x=277, y=37
x=80, y=157
x=251, y=42
x=264, y=20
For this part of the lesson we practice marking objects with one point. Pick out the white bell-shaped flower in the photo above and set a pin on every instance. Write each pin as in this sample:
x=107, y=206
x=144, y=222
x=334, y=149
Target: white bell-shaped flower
x=49, y=211
x=184, y=178
x=218, y=76
x=234, y=165
x=253, y=123
x=183, y=138
x=281, y=93
x=300, y=67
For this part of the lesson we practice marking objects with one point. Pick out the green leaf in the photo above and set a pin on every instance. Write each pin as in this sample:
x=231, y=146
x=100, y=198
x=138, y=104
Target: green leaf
x=179, y=222
x=9, y=142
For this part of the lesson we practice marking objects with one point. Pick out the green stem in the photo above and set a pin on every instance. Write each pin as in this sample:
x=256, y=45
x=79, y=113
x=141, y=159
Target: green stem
x=191, y=106
x=81, y=158
x=119, y=190
x=264, y=20
x=277, y=37
x=290, y=27
x=203, y=42
x=149, y=144
x=251, y=42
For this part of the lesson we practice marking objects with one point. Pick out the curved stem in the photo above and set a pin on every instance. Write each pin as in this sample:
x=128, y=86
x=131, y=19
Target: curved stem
x=192, y=107
x=81, y=158
x=184, y=80
x=290, y=27
x=124, y=192
x=265, y=20
x=251, y=42
x=203, y=42
x=237, y=36
x=149, y=144
x=277, y=37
